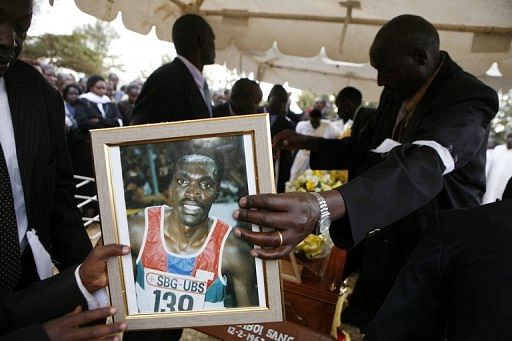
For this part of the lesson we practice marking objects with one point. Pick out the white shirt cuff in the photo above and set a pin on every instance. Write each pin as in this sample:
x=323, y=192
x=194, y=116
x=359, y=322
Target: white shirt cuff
x=98, y=299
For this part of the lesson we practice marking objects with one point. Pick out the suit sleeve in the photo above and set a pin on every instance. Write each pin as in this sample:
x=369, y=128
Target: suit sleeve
x=334, y=154
x=38, y=303
x=30, y=332
x=152, y=103
x=410, y=175
x=113, y=119
x=83, y=118
x=70, y=241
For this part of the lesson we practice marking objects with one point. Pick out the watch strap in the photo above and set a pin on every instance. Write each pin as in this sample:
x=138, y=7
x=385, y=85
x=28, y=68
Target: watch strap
x=324, y=210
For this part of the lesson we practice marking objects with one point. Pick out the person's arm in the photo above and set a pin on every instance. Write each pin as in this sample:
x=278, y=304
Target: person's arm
x=83, y=117
x=70, y=241
x=72, y=326
x=291, y=140
x=113, y=117
x=41, y=301
x=239, y=267
x=411, y=174
x=295, y=215
x=57, y=295
x=136, y=228
x=30, y=332
x=325, y=153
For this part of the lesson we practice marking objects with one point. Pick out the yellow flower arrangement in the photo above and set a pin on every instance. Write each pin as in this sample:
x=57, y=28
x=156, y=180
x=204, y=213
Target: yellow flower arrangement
x=316, y=181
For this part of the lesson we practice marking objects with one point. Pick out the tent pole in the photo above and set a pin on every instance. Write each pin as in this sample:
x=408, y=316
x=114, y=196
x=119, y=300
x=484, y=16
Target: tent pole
x=350, y=5
x=355, y=21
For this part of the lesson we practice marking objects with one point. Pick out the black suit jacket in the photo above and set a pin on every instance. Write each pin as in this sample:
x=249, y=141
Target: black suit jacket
x=22, y=312
x=87, y=113
x=457, y=282
x=400, y=190
x=455, y=113
x=37, y=113
x=169, y=94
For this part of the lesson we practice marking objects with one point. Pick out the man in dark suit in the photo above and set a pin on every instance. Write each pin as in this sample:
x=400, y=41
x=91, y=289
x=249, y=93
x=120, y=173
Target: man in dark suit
x=37, y=181
x=39, y=220
x=277, y=104
x=427, y=153
x=456, y=284
x=177, y=91
x=360, y=119
x=244, y=99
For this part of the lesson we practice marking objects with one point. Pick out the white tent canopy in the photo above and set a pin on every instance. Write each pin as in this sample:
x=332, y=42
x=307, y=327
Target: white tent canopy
x=320, y=73
x=476, y=33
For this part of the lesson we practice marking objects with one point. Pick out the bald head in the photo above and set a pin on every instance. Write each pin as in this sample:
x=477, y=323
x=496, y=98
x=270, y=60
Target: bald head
x=245, y=97
x=194, y=39
x=405, y=52
x=408, y=32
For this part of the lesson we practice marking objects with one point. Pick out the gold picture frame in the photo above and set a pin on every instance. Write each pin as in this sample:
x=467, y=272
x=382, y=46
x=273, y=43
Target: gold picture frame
x=166, y=282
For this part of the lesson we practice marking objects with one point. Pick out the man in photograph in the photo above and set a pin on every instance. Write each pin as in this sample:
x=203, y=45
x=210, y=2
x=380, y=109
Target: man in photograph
x=185, y=259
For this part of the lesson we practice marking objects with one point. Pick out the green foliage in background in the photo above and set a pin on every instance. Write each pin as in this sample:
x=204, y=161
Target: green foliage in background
x=86, y=50
x=68, y=51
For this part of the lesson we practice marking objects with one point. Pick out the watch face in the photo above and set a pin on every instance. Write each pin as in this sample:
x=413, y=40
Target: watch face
x=324, y=225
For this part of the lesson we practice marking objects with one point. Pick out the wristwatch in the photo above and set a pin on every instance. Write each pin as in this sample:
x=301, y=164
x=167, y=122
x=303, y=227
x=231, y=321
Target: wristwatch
x=322, y=226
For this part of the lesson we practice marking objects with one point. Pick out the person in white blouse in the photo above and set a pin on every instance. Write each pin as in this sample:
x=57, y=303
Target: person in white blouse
x=316, y=126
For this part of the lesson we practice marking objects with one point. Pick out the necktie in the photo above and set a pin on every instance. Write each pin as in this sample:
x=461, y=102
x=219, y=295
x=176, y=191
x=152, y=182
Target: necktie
x=207, y=98
x=400, y=123
x=10, y=254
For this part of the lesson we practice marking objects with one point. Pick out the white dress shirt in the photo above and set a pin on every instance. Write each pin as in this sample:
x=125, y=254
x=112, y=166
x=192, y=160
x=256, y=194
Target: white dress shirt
x=198, y=77
x=11, y=159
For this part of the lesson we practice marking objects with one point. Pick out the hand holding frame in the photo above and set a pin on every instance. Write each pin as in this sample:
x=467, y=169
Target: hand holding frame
x=295, y=215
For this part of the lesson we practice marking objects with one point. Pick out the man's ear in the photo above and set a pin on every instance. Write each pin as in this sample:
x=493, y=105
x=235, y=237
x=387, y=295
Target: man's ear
x=420, y=56
x=201, y=40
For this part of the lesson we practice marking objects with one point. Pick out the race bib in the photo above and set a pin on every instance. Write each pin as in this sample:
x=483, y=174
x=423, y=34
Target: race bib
x=173, y=292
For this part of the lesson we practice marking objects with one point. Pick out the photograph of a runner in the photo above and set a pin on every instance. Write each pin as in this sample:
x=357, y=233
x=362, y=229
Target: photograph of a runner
x=179, y=199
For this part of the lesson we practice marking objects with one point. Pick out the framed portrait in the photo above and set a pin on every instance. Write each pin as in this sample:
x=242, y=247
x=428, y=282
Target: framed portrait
x=169, y=191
